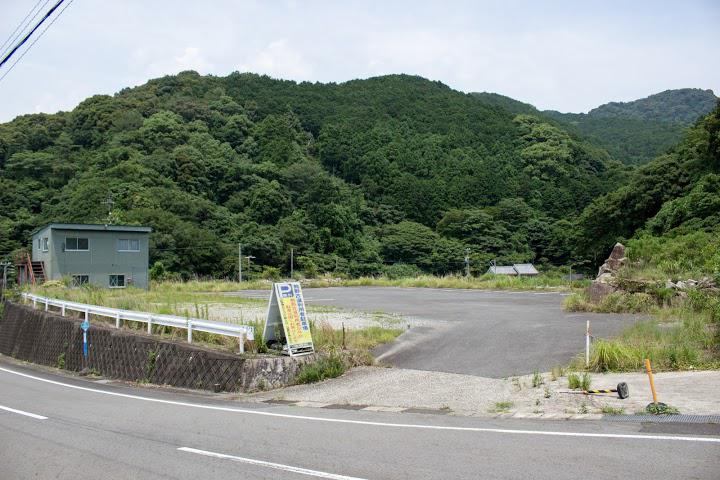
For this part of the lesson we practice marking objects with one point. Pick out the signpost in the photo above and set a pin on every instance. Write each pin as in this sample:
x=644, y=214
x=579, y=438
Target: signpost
x=287, y=314
x=85, y=325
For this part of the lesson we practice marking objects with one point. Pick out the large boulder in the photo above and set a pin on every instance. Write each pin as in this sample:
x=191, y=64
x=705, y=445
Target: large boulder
x=615, y=261
x=606, y=283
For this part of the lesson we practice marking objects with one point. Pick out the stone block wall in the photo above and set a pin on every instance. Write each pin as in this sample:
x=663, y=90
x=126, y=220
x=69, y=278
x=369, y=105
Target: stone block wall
x=46, y=338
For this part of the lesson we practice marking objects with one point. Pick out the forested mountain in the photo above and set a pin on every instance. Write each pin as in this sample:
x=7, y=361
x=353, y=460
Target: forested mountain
x=683, y=106
x=632, y=132
x=355, y=177
x=636, y=132
x=677, y=193
x=358, y=177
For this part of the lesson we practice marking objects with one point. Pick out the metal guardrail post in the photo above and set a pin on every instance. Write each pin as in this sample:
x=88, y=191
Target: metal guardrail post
x=149, y=325
x=241, y=340
x=46, y=304
x=189, y=329
x=117, y=320
x=34, y=303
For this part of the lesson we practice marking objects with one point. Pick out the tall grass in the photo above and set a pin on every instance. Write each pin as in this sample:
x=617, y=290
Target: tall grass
x=488, y=282
x=674, y=339
x=617, y=302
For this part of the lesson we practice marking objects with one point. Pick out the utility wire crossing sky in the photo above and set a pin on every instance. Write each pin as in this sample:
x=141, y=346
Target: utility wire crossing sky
x=559, y=55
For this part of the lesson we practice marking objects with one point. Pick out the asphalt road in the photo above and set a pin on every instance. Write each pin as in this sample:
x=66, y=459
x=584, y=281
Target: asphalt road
x=67, y=428
x=476, y=332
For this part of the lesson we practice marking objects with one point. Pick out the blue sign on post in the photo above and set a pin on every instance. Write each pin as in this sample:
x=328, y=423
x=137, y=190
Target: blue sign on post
x=85, y=325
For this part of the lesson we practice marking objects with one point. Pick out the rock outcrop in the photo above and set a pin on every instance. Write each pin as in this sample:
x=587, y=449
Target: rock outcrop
x=605, y=283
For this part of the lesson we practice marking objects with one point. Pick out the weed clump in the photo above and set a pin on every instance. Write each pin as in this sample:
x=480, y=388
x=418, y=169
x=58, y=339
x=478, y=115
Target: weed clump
x=502, y=407
x=578, y=382
x=537, y=379
x=327, y=367
x=661, y=409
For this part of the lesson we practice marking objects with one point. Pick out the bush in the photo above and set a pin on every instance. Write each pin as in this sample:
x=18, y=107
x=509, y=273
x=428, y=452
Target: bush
x=402, y=270
x=270, y=273
x=328, y=367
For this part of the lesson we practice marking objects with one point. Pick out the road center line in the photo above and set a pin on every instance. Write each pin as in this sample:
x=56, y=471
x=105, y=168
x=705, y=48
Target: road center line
x=20, y=412
x=369, y=423
x=276, y=466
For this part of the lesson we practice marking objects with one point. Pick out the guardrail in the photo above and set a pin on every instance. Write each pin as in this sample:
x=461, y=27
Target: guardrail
x=242, y=332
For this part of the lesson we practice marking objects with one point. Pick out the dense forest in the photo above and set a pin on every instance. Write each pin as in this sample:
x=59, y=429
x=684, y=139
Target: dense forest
x=632, y=132
x=392, y=174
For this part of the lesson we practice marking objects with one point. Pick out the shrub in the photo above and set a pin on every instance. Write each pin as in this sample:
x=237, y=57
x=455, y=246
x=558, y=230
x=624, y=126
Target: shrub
x=270, y=273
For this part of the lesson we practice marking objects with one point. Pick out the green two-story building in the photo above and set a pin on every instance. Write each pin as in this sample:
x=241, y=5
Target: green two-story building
x=111, y=256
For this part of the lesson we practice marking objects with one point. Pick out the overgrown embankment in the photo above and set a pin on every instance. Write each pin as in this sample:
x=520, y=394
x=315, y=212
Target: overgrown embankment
x=674, y=281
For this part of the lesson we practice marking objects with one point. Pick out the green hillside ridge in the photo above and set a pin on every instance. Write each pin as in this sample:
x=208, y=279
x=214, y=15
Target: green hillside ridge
x=683, y=106
x=357, y=178
x=354, y=176
x=632, y=132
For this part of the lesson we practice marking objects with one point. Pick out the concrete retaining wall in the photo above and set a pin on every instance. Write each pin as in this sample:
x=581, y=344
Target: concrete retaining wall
x=48, y=339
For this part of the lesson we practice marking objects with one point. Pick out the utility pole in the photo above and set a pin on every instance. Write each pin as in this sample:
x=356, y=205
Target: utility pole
x=239, y=263
x=109, y=203
x=467, y=262
x=292, y=259
x=4, y=280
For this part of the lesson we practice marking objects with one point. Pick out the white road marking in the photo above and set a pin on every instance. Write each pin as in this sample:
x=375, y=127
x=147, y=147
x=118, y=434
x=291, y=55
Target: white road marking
x=20, y=412
x=276, y=466
x=374, y=424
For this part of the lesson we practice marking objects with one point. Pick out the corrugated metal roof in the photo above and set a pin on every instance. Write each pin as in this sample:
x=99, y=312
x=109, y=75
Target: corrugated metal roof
x=525, y=269
x=502, y=270
x=94, y=227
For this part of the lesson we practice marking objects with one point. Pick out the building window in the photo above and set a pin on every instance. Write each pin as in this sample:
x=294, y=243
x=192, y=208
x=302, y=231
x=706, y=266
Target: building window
x=80, y=280
x=45, y=244
x=117, y=281
x=75, y=244
x=128, y=245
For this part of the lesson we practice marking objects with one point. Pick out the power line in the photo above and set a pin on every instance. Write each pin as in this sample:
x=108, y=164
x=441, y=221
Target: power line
x=13, y=37
x=38, y=37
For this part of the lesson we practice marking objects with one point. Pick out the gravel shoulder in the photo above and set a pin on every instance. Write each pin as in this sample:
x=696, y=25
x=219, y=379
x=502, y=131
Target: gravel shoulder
x=335, y=317
x=394, y=388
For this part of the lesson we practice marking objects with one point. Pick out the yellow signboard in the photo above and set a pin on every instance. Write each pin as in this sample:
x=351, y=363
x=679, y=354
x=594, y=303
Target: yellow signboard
x=287, y=307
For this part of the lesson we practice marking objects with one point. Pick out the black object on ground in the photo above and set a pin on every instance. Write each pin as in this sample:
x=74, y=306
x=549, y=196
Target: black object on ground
x=622, y=390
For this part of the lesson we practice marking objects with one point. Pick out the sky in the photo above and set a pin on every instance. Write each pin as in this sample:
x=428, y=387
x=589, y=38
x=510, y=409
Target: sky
x=568, y=56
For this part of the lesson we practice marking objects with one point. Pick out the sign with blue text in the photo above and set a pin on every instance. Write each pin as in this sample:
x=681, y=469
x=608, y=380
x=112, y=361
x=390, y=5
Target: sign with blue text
x=287, y=318
x=85, y=325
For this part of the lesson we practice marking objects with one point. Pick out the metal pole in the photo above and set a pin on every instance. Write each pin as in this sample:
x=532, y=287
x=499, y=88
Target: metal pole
x=239, y=263
x=467, y=262
x=4, y=282
x=587, y=344
x=652, y=382
x=292, y=259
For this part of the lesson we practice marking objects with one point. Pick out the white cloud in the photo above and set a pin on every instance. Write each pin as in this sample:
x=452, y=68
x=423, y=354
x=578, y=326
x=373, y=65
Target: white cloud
x=279, y=59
